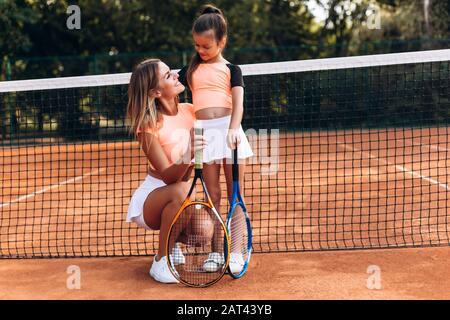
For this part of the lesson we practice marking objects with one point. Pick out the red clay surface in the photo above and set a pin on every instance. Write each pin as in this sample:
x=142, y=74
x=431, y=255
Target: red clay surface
x=330, y=190
x=349, y=189
x=405, y=274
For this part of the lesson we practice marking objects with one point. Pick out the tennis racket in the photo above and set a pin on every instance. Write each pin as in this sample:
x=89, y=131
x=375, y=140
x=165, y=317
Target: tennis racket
x=198, y=243
x=239, y=228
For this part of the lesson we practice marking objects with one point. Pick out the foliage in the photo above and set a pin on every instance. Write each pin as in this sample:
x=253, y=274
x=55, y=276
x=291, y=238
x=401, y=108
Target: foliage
x=118, y=33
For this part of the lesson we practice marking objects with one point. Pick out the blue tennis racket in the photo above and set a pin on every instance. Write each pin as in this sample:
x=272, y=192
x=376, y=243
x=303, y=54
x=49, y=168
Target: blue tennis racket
x=239, y=228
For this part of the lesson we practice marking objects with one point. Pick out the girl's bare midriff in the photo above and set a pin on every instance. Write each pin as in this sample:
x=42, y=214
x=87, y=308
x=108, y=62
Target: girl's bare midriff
x=203, y=114
x=212, y=113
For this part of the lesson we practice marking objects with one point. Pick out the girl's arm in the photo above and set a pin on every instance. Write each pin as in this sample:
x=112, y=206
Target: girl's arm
x=233, y=137
x=237, y=94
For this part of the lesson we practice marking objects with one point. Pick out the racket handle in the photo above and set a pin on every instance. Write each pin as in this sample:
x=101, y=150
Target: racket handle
x=198, y=153
x=235, y=165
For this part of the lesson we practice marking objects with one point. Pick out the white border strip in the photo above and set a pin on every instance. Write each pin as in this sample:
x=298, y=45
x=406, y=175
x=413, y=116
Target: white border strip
x=347, y=62
x=432, y=147
x=437, y=148
x=398, y=167
x=65, y=82
x=247, y=70
x=55, y=186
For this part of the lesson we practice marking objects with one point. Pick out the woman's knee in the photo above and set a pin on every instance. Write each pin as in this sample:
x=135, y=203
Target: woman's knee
x=171, y=201
x=200, y=230
x=179, y=192
x=177, y=196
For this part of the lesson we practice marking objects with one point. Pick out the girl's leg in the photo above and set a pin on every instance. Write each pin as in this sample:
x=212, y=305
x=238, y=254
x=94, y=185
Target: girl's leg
x=228, y=169
x=211, y=174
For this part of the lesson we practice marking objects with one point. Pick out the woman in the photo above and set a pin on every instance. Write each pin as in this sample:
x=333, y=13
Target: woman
x=164, y=129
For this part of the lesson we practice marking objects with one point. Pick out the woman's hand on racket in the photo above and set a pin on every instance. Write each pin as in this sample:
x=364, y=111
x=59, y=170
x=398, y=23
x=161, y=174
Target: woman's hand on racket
x=233, y=138
x=198, y=142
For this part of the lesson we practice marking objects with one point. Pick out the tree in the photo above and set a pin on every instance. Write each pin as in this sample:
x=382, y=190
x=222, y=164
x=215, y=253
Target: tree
x=14, y=40
x=409, y=20
x=344, y=16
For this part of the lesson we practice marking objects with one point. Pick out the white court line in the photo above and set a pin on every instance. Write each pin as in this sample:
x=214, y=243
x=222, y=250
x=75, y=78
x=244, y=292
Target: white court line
x=437, y=148
x=398, y=167
x=432, y=147
x=31, y=195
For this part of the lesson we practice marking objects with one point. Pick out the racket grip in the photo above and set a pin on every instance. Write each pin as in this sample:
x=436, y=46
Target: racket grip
x=235, y=167
x=198, y=153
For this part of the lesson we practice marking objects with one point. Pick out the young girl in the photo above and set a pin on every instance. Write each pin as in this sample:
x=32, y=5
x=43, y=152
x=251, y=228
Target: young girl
x=218, y=93
x=163, y=128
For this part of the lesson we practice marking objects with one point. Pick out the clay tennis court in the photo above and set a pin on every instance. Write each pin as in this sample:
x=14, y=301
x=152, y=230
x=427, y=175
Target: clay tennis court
x=331, y=190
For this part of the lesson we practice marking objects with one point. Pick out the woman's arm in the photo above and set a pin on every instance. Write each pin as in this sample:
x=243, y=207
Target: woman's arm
x=169, y=173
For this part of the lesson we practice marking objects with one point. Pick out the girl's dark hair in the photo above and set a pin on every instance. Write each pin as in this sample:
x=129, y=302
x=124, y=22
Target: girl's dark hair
x=211, y=18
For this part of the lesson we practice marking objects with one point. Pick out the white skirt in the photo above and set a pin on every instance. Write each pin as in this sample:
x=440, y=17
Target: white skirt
x=136, y=205
x=215, y=132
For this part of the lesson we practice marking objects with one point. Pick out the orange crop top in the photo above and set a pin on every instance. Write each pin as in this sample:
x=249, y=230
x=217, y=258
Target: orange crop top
x=212, y=83
x=174, y=135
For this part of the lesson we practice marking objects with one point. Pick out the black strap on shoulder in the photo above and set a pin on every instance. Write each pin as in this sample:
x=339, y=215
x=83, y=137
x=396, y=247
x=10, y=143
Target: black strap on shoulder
x=236, y=75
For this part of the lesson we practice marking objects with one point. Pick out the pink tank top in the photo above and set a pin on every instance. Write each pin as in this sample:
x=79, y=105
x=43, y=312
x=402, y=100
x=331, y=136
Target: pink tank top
x=174, y=134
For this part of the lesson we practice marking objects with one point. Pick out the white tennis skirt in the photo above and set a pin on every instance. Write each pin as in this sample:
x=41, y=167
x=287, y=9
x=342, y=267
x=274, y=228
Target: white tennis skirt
x=136, y=205
x=215, y=132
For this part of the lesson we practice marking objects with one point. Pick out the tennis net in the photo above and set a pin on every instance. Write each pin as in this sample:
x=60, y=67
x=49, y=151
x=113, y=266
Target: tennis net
x=350, y=153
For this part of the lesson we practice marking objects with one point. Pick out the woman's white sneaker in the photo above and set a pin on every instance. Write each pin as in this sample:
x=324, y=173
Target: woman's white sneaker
x=160, y=271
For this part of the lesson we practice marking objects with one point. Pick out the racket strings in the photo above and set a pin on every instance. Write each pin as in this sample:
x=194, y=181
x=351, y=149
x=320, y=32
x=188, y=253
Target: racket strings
x=239, y=238
x=198, y=241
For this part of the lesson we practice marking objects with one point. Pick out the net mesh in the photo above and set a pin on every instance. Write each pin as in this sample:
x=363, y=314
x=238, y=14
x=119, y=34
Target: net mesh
x=350, y=153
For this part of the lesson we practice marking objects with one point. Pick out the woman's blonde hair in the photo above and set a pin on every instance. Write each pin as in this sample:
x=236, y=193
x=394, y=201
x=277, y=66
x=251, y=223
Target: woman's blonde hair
x=142, y=108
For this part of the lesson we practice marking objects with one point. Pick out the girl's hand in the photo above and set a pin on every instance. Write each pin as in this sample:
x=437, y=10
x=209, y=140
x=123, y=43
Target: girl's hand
x=233, y=138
